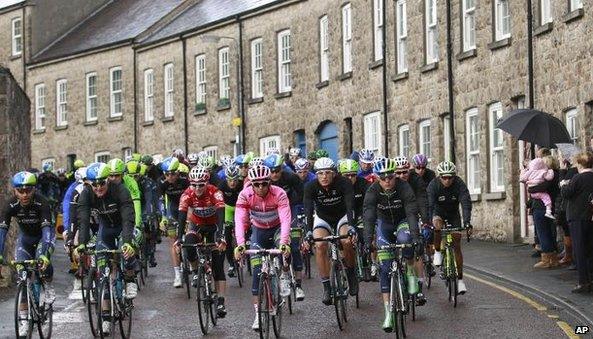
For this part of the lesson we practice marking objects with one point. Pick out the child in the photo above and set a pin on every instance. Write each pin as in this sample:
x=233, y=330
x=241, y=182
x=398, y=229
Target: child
x=536, y=173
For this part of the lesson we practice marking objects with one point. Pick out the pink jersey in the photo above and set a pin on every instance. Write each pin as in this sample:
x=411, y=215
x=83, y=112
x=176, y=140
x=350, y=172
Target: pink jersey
x=267, y=212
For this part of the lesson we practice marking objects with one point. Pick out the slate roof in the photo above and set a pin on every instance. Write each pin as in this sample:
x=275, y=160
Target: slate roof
x=204, y=13
x=8, y=3
x=119, y=21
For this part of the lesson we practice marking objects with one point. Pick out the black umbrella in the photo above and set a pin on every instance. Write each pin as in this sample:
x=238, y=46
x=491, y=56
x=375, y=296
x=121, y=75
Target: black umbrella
x=536, y=127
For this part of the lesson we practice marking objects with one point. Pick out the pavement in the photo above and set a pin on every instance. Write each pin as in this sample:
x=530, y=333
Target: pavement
x=489, y=309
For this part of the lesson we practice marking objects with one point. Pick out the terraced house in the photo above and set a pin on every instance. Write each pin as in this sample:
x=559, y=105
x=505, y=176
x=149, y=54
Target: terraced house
x=224, y=76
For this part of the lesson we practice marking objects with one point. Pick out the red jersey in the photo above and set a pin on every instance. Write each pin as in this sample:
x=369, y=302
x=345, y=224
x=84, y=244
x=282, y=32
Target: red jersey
x=204, y=207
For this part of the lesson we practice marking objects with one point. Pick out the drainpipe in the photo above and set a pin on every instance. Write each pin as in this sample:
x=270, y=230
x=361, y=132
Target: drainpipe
x=135, y=102
x=384, y=51
x=240, y=96
x=450, y=83
x=530, y=62
x=24, y=51
x=185, y=135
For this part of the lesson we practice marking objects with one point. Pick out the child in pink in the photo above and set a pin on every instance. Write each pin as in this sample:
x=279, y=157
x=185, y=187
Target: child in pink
x=536, y=173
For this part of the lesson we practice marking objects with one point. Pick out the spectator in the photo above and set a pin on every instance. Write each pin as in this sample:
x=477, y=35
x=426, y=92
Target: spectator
x=577, y=193
x=566, y=172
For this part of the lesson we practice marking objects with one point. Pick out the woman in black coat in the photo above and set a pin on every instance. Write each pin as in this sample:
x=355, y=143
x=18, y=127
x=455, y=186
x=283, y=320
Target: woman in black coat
x=577, y=192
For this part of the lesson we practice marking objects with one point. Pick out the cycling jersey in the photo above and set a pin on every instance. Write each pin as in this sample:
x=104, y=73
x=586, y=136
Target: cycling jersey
x=207, y=209
x=331, y=204
x=150, y=197
x=49, y=186
x=419, y=187
x=292, y=185
x=230, y=195
x=132, y=186
x=262, y=212
x=428, y=176
x=393, y=207
x=66, y=203
x=173, y=192
x=444, y=201
x=360, y=188
x=310, y=177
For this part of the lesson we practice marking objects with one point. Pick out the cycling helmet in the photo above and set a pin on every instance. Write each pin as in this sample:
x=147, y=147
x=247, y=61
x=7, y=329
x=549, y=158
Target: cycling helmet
x=273, y=161
x=136, y=156
x=169, y=164
x=446, y=168
x=178, y=153
x=192, y=158
x=47, y=167
x=143, y=169
x=348, y=166
x=321, y=153
x=60, y=171
x=324, y=164
x=207, y=161
x=272, y=150
x=366, y=156
x=97, y=171
x=244, y=159
x=117, y=166
x=259, y=173
x=226, y=160
x=80, y=174
x=199, y=174
x=384, y=165
x=147, y=160
x=133, y=167
x=301, y=164
x=24, y=178
x=419, y=160
x=402, y=162
x=183, y=168
x=294, y=152
x=231, y=172
x=78, y=164
x=256, y=161
x=312, y=155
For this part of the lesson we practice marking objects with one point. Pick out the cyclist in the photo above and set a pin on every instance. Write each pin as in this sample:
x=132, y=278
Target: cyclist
x=225, y=161
x=311, y=158
x=180, y=155
x=294, y=154
x=192, y=159
x=203, y=204
x=332, y=199
x=118, y=167
x=171, y=188
x=302, y=168
x=48, y=185
x=230, y=188
x=183, y=170
x=390, y=204
x=366, y=159
x=444, y=197
x=267, y=208
x=152, y=171
x=112, y=202
x=243, y=161
x=209, y=163
x=69, y=221
x=420, y=162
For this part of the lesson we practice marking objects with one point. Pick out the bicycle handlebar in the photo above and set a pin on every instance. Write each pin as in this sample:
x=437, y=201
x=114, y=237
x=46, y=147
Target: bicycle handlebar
x=394, y=246
x=212, y=244
x=264, y=252
x=331, y=238
x=30, y=262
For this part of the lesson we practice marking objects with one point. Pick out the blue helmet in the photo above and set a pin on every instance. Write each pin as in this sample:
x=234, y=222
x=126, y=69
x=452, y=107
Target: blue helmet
x=366, y=156
x=244, y=159
x=169, y=164
x=384, y=165
x=98, y=171
x=47, y=167
x=24, y=178
x=232, y=172
x=273, y=161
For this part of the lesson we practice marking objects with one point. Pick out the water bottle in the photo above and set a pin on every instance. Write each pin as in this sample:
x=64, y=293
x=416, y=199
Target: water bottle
x=412, y=281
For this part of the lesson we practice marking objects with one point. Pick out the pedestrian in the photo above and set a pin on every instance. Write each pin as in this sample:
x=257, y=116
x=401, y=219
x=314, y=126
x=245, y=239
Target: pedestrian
x=577, y=193
x=566, y=172
x=536, y=173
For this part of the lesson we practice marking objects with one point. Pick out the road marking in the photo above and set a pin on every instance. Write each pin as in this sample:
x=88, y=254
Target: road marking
x=567, y=329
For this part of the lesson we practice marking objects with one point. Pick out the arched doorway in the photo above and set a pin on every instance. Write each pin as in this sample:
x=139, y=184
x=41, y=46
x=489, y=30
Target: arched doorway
x=328, y=138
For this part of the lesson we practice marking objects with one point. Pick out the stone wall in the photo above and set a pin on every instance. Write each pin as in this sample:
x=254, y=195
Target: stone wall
x=7, y=60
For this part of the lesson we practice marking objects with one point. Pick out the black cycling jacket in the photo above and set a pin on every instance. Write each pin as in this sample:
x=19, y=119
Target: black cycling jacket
x=230, y=195
x=330, y=204
x=394, y=207
x=292, y=185
x=114, y=209
x=419, y=186
x=175, y=190
x=360, y=188
x=31, y=219
x=444, y=201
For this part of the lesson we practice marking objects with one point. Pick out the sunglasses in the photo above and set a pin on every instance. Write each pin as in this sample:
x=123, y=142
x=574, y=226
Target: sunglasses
x=387, y=177
x=198, y=185
x=350, y=175
x=302, y=172
x=401, y=172
x=24, y=190
x=244, y=166
x=324, y=173
x=168, y=174
x=447, y=178
x=114, y=175
x=420, y=168
x=261, y=184
x=99, y=183
x=276, y=170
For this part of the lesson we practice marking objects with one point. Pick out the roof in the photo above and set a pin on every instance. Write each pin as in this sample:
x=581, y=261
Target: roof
x=204, y=13
x=8, y=3
x=117, y=22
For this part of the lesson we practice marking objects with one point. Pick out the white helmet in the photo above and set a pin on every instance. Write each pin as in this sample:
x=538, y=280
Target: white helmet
x=301, y=164
x=295, y=152
x=80, y=174
x=256, y=161
x=259, y=173
x=192, y=158
x=272, y=150
x=199, y=174
x=324, y=164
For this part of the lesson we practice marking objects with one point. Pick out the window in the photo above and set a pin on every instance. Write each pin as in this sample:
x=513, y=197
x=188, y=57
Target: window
x=300, y=141
x=404, y=140
x=572, y=125
x=212, y=151
x=61, y=102
x=346, y=38
x=575, y=4
x=502, y=19
x=223, y=73
x=378, y=29
x=169, y=81
x=102, y=157
x=257, y=76
x=473, y=151
x=545, y=12
x=269, y=142
x=40, y=106
x=431, y=34
x=401, y=36
x=115, y=79
x=201, y=79
x=469, y=24
x=324, y=48
x=284, y=75
x=51, y=161
x=424, y=139
x=372, y=132
x=496, y=149
x=17, y=37
x=127, y=153
x=91, y=97
x=447, y=140
x=148, y=95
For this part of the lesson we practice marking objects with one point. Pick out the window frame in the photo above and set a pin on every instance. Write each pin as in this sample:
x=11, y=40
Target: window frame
x=92, y=98
x=224, y=73
x=149, y=95
x=102, y=154
x=264, y=143
x=574, y=5
x=16, y=39
x=423, y=146
x=257, y=67
x=211, y=151
x=472, y=172
x=571, y=120
x=324, y=48
x=374, y=118
x=499, y=25
x=495, y=184
x=468, y=12
x=378, y=30
x=284, y=65
x=401, y=35
x=169, y=90
x=403, y=148
x=346, y=38
x=113, y=93
x=431, y=30
x=545, y=12
x=61, y=103
x=201, y=81
x=40, y=111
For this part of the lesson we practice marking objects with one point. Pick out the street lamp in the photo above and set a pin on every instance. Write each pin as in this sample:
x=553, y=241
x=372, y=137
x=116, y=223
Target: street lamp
x=239, y=137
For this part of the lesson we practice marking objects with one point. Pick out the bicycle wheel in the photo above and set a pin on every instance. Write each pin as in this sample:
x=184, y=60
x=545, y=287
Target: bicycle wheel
x=185, y=268
x=263, y=304
x=21, y=298
x=203, y=300
x=455, y=291
x=213, y=298
x=92, y=306
x=403, y=306
x=278, y=305
x=336, y=286
x=105, y=316
x=239, y=273
x=45, y=318
x=412, y=302
x=125, y=318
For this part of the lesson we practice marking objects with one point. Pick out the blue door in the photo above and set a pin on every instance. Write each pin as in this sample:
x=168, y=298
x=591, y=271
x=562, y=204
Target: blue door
x=328, y=139
x=301, y=142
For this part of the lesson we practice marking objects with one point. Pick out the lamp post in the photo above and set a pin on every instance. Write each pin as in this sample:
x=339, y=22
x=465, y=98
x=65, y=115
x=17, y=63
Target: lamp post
x=239, y=134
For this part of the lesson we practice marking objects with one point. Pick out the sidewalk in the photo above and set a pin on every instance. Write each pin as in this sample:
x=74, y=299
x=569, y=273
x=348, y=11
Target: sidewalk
x=513, y=263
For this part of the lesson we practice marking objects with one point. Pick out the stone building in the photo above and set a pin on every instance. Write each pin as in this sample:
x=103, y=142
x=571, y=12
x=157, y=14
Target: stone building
x=153, y=76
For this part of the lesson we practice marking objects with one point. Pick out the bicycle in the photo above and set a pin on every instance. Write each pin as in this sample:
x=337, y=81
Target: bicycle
x=110, y=294
x=204, y=283
x=306, y=253
x=270, y=303
x=429, y=269
x=338, y=278
x=150, y=231
x=238, y=267
x=449, y=271
x=89, y=284
x=29, y=290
